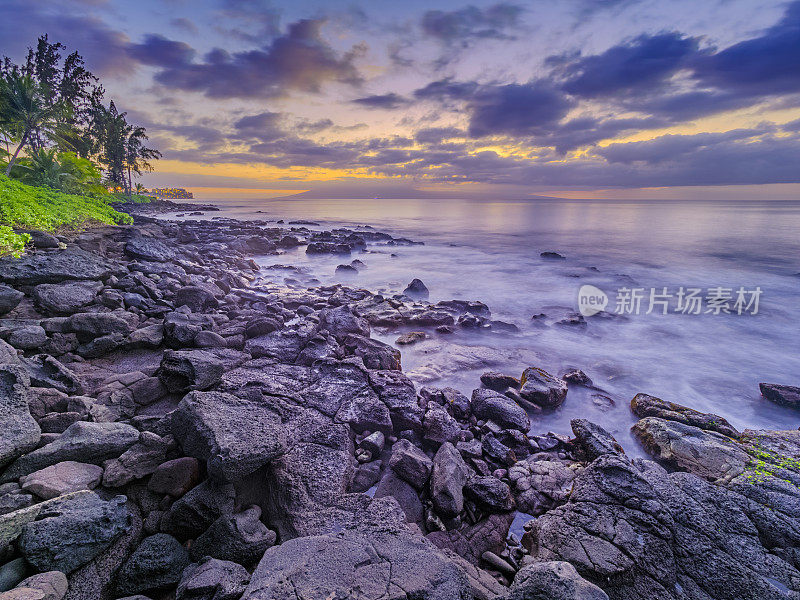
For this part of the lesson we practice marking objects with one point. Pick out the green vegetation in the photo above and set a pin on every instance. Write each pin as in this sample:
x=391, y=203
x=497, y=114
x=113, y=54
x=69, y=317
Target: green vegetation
x=56, y=131
x=11, y=243
x=767, y=464
x=62, y=171
x=133, y=198
x=65, y=157
x=28, y=207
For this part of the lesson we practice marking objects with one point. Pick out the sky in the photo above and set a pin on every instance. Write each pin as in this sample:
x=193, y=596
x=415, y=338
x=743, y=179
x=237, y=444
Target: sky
x=575, y=98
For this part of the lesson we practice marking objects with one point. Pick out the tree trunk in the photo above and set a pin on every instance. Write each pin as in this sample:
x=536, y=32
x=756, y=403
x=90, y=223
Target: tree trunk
x=16, y=153
x=130, y=185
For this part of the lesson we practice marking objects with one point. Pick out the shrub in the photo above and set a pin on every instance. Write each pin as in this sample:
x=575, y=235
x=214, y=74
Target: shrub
x=27, y=207
x=11, y=243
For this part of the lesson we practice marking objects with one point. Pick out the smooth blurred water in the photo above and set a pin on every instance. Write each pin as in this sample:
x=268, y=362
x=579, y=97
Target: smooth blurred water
x=490, y=251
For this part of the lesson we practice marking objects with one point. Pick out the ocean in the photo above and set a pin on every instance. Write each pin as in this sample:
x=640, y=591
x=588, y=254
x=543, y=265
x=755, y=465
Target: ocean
x=727, y=275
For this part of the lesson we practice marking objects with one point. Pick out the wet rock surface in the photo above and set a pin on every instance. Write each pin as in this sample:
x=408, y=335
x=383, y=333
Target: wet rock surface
x=178, y=423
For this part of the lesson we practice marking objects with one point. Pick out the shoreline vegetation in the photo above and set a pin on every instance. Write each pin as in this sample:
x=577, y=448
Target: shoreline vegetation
x=65, y=156
x=24, y=207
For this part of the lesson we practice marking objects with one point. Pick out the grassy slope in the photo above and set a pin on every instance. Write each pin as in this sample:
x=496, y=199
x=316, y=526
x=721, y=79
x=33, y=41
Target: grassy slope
x=27, y=207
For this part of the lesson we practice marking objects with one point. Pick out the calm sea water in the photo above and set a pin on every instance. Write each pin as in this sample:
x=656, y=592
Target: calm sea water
x=490, y=251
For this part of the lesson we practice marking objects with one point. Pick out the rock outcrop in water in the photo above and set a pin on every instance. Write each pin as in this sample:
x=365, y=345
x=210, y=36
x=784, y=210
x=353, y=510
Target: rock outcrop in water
x=177, y=424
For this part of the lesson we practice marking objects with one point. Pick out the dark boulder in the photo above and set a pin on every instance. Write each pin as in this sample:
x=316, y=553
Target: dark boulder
x=83, y=442
x=592, y=440
x=448, y=477
x=41, y=239
x=404, y=493
x=493, y=406
x=65, y=298
x=705, y=453
x=195, y=511
x=89, y=326
x=644, y=405
x=72, y=530
x=410, y=463
x=490, y=493
x=439, y=426
x=577, y=377
x=241, y=538
x=367, y=561
x=9, y=299
x=540, y=485
x=212, y=579
x=785, y=395
x=29, y=337
x=416, y=289
x=189, y=370
x=374, y=353
x=180, y=329
x=397, y=392
x=156, y=564
x=542, y=389
x=47, y=372
x=20, y=432
x=641, y=533
x=498, y=381
x=342, y=321
x=196, y=298
x=471, y=541
x=234, y=436
x=149, y=249
x=55, y=267
x=552, y=580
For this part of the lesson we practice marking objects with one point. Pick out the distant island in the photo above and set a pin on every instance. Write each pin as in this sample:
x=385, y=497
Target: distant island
x=172, y=193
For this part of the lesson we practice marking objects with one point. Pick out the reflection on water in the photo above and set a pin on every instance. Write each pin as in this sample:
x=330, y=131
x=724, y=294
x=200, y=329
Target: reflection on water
x=489, y=251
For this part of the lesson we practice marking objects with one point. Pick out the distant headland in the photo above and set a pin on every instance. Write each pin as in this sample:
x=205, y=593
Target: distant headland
x=172, y=193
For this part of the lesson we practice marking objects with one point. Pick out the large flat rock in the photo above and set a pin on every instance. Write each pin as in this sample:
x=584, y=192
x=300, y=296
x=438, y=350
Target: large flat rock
x=82, y=441
x=56, y=266
x=367, y=562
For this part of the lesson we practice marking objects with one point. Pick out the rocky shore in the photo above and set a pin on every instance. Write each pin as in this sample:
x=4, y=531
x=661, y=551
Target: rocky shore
x=177, y=424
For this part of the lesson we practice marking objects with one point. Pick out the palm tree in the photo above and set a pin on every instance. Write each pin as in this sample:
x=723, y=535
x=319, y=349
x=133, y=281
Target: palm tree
x=24, y=109
x=43, y=168
x=137, y=154
x=108, y=129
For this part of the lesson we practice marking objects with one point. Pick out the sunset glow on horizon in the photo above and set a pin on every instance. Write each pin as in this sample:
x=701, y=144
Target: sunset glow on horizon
x=578, y=99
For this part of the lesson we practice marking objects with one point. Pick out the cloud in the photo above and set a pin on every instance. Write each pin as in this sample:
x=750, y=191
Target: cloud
x=516, y=109
x=105, y=49
x=383, y=101
x=446, y=89
x=266, y=127
x=184, y=24
x=299, y=60
x=471, y=22
x=586, y=131
x=763, y=65
x=513, y=109
x=436, y=135
x=315, y=126
x=204, y=136
x=792, y=126
x=248, y=20
x=644, y=63
x=589, y=7
x=673, y=147
x=156, y=50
